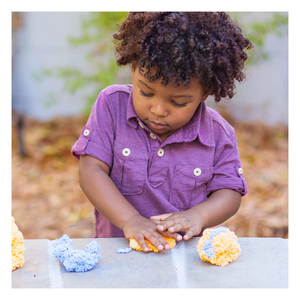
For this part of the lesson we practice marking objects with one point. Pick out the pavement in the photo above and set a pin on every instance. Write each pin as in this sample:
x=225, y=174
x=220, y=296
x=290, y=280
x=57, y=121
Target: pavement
x=263, y=263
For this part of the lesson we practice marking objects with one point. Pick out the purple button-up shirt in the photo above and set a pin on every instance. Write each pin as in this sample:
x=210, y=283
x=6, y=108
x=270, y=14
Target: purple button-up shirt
x=158, y=176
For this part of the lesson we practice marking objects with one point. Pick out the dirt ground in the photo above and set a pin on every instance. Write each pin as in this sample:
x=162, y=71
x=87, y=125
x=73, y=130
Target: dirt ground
x=47, y=200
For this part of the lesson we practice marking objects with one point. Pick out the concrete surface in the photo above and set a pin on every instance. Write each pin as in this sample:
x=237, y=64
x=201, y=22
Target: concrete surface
x=263, y=263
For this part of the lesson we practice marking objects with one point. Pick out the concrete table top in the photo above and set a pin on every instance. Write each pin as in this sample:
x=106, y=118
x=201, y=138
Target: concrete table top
x=263, y=263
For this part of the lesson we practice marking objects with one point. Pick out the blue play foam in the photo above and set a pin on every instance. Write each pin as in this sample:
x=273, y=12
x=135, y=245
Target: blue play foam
x=124, y=250
x=75, y=259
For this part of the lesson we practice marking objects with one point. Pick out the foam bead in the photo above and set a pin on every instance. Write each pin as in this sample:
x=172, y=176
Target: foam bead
x=124, y=250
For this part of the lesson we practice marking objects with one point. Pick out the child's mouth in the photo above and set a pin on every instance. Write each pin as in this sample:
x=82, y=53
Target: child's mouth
x=157, y=125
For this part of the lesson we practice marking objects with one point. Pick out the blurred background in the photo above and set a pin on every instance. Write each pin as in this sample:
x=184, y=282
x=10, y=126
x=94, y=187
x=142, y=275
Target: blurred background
x=60, y=62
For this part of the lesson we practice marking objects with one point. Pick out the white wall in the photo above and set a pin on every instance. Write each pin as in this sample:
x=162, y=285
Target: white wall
x=41, y=43
x=263, y=95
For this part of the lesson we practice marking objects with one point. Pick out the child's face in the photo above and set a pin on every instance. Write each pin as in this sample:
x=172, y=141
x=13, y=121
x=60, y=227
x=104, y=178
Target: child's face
x=164, y=109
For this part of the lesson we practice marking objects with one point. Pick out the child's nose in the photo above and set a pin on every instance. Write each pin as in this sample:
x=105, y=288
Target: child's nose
x=159, y=108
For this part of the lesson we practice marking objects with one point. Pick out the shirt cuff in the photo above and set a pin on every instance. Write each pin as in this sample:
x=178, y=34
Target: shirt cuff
x=84, y=146
x=229, y=181
x=232, y=183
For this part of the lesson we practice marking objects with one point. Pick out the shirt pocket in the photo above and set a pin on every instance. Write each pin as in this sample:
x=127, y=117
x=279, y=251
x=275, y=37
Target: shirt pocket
x=189, y=185
x=129, y=170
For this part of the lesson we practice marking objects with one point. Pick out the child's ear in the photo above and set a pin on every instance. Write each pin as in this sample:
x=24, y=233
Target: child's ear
x=205, y=94
x=133, y=68
x=134, y=65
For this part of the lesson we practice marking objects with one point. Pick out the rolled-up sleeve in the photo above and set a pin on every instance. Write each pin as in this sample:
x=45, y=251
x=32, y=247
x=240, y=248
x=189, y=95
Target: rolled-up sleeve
x=96, y=138
x=227, y=169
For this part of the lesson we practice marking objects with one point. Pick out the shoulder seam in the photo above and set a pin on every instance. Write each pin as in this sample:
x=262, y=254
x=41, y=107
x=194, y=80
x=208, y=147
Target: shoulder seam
x=228, y=133
x=121, y=90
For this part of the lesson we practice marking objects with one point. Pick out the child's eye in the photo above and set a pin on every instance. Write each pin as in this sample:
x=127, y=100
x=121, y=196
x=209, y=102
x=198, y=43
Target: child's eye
x=179, y=105
x=144, y=94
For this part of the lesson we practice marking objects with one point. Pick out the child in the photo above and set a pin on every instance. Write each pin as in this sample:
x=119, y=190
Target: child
x=154, y=159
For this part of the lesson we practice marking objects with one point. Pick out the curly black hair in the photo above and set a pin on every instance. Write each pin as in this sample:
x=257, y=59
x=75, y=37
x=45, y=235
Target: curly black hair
x=207, y=46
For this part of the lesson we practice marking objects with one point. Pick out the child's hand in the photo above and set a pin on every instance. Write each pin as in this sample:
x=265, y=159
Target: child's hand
x=179, y=221
x=140, y=228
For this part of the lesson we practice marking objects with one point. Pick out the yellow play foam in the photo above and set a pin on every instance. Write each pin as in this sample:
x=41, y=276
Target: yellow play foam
x=17, y=246
x=218, y=246
x=134, y=245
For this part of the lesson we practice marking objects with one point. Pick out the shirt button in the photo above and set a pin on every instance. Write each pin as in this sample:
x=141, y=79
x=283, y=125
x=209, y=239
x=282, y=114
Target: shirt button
x=241, y=171
x=197, y=172
x=86, y=132
x=153, y=136
x=160, y=152
x=126, y=151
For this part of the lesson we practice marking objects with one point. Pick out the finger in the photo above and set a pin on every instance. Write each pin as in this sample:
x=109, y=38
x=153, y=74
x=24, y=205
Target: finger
x=160, y=217
x=157, y=222
x=176, y=236
x=164, y=225
x=157, y=241
x=141, y=241
x=189, y=234
x=180, y=226
x=174, y=225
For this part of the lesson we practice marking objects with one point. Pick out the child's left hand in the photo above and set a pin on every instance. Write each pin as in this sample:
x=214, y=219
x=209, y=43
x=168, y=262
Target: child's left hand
x=179, y=221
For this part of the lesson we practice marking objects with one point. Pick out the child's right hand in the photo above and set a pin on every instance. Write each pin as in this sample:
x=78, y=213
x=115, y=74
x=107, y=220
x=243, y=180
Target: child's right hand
x=140, y=228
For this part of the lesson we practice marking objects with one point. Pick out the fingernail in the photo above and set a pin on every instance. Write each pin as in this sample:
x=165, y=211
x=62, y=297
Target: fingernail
x=160, y=227
x=179, y=237
x=160, y=247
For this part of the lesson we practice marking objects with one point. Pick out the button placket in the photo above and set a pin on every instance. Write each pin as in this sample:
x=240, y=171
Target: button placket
x=160, y=152
x=159, y=167
x=152, y=136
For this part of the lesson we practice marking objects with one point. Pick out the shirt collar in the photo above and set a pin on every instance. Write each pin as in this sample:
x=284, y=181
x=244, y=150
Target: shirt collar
x=132, y=118
x=200, y=125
